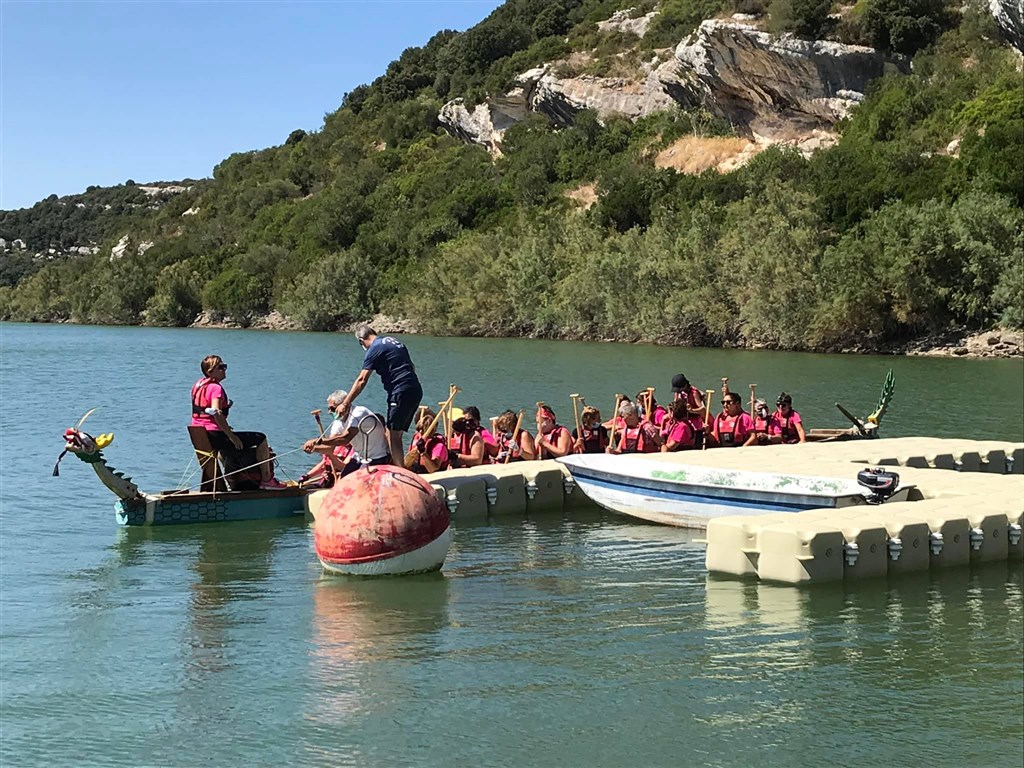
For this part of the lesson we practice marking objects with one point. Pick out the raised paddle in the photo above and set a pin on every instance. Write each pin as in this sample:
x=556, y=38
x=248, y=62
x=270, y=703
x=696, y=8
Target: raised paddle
x=753, y=398
x=615, y=414
x=515, y=436
x=315, y=413
x=650, y=404
x=708, y=394
x=576, y=415
x=413, y=455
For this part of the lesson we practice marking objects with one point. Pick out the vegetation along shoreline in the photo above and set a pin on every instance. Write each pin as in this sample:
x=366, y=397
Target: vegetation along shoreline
x=602, y=170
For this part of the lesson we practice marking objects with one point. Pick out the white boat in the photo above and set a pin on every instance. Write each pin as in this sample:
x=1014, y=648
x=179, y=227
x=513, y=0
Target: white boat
x=688, y=496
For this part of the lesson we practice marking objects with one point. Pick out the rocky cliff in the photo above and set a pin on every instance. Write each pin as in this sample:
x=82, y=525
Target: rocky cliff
x=773, y=86
x=1009, y=16
x=771, y=83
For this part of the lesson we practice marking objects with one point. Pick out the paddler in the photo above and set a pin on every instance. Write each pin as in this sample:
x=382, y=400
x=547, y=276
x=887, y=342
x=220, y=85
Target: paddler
x=733, y=426
x=323, y=475
x=512, y=445
x=210, y=407
x=594, y=437
x=390, y=359
x=786, y=425
x=490, y=442
x=635, y=436
x=658, y=411
x=676, y=430
x=553, y=440
x=428, y=452
x=762, y=424
x=467, y=448
x=696, y=407
x=360, y=428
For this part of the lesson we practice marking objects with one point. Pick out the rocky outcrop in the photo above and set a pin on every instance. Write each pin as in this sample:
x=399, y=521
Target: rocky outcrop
x=622, y=22
x=1009, y=16
x=541, y=91
x=772, y=84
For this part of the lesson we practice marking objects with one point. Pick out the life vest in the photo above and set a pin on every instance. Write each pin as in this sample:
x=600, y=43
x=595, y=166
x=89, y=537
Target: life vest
x=635, y=441
x=696, y=422
x=507, y=444
x=786, y=428
x=198, y=391
x=727, y=430
x=543, y=453
x=594, y=441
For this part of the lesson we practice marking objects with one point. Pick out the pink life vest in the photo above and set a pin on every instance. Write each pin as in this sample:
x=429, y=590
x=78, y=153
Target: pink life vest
x=543, y=453
x=635, y=441
x=200, y=402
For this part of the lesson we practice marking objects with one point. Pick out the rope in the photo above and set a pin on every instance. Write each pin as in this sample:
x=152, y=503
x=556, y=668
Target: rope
x=244, y=469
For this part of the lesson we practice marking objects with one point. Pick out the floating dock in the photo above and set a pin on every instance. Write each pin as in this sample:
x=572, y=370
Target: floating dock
x=967, y=507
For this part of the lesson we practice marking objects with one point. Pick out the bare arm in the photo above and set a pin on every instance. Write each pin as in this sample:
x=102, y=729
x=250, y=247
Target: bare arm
x=560, y=447
x=357, y=386
x=327, y=444
x=477, y=452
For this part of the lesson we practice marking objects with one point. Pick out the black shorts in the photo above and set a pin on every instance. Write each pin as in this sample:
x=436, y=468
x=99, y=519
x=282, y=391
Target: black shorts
x=222, y=444
x=402, y=407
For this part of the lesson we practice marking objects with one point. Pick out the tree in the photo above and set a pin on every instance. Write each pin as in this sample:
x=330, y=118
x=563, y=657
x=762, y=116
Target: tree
x=808, y=19
x=906, y=26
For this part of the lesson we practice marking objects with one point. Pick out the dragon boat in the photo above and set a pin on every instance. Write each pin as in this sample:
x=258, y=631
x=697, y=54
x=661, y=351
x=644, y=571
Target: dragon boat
x=210, y=504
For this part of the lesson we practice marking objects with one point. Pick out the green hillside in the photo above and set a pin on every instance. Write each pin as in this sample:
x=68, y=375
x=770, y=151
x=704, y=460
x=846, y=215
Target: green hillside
x=885, y=236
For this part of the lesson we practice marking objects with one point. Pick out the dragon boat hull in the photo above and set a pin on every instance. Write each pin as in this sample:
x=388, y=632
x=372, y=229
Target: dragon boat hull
x=179, y=508
x=689, y=496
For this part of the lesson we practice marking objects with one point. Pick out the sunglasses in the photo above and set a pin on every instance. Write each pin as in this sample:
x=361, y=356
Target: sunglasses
x=730, y=402
x=221, y=367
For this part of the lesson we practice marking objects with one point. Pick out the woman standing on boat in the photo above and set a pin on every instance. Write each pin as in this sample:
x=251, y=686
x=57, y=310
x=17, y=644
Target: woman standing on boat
x=733, y=426
x=210, y=407
x=786, y=426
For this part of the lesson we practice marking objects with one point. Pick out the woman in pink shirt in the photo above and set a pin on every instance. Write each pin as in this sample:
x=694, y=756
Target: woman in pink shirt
x=238, y=450
x=676, y=429
x=786, y=426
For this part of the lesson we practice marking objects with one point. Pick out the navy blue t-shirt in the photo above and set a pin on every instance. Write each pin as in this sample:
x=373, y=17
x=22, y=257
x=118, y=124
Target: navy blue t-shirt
x=389, y=358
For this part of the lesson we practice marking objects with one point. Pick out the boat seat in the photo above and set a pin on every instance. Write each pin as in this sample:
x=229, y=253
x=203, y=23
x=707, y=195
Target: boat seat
x=209, y=461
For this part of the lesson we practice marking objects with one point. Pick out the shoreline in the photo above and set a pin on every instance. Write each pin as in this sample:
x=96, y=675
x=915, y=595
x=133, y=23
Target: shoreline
x=998, y=344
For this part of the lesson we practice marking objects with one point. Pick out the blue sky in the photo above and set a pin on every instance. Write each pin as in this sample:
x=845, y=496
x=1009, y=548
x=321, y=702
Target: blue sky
x=100, y=92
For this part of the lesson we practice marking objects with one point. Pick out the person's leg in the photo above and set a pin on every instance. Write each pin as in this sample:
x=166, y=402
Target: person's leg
x=401, y=408
x=263, y=457
x=395, y=441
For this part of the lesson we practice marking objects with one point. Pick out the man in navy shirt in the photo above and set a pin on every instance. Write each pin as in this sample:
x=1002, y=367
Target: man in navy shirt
x=389, y=358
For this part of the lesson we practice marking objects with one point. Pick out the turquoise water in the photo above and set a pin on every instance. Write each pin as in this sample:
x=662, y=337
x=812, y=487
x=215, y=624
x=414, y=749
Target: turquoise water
x=561, y=640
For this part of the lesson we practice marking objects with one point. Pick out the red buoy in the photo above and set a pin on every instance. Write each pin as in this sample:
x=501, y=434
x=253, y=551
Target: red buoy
x=382, y=520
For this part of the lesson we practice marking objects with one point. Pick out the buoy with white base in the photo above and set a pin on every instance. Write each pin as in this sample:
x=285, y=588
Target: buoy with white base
x=382, y=521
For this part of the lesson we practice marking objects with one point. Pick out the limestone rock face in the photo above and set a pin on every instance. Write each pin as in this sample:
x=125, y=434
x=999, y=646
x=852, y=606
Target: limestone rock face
x=771, y=83
x=560, y=99
x=621, y=22
x=1009, y=16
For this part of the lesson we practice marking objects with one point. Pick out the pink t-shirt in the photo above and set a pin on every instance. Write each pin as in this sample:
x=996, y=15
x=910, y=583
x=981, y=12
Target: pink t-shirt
x=488, y=438
x=777, y=421
x=203, y=393
x=680, y=433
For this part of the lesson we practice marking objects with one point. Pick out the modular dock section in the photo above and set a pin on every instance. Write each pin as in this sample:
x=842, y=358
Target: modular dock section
x=967, y=508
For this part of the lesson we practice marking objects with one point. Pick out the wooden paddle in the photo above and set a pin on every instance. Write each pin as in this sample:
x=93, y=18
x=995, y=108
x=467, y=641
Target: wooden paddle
x=412, y=457
x=708, y=394
x=576, y=415
x=753, y=398
x=650, y=404
x=315, y=413
x=615, y=415
x=515, y=436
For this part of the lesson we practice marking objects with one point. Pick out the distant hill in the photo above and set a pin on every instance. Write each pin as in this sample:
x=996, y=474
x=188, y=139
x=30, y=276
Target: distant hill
x=795, y=174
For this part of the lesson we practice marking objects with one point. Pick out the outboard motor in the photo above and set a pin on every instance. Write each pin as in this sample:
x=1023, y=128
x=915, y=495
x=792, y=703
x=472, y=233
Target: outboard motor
x=880, y=482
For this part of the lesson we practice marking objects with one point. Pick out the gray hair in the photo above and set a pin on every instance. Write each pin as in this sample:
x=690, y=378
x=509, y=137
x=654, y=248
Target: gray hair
x=627, y=409
x=336, y=396
x=363, y=332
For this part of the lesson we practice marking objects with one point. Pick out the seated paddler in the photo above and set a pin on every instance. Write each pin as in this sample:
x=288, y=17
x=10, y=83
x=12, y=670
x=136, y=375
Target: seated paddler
x=359, y=428
x=676, y=431
x=467, y=447
x=428, y=452
x=635, y=436
x=553, y=440
x=514, y=443
x=594, y=436
x=242, y=453
x=733, y=426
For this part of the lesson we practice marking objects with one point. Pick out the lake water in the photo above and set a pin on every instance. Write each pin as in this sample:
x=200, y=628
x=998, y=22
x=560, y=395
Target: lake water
x=577, y=640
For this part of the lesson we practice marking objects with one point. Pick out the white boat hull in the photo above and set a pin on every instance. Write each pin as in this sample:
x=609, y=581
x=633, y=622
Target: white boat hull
x=429, y=557
x=689, y=496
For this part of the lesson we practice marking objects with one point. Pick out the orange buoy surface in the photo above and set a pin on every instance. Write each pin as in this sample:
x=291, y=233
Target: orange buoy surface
x=377, y=513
